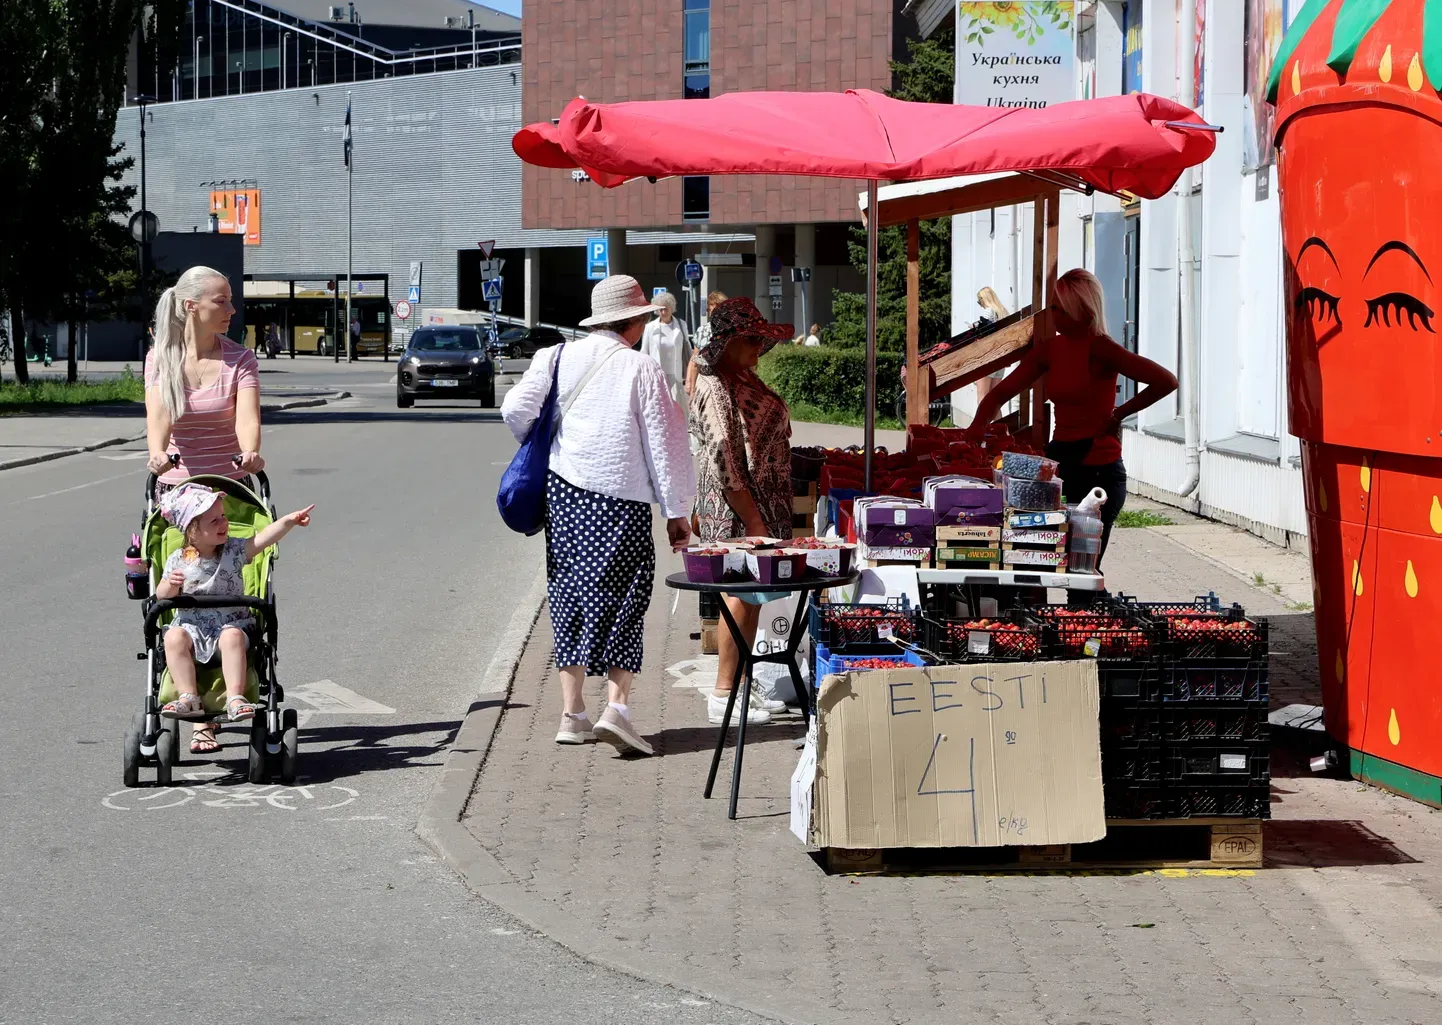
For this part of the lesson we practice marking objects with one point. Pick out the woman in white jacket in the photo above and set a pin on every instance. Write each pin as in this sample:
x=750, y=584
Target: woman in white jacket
x=621, y=446
x=667, y=341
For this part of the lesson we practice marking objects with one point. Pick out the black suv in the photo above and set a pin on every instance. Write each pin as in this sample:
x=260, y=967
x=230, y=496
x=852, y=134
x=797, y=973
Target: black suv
x=522, y=342
x=445, y=363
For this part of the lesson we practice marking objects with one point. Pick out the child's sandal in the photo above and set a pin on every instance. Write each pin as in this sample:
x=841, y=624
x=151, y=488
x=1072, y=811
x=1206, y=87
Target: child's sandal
x=186, y=706
x=237, y=709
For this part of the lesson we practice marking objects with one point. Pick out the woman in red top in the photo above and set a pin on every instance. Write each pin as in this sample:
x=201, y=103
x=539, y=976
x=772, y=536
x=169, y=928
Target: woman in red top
x=1082, y=364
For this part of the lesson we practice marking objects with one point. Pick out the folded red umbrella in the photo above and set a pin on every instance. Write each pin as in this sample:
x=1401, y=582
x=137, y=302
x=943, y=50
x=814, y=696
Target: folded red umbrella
x=1131, y=143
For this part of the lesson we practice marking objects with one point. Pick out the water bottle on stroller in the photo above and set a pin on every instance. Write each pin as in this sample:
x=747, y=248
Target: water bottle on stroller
x=137, y=571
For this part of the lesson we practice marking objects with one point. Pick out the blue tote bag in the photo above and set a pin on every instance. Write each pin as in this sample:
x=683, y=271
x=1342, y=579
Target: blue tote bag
x=521, y=499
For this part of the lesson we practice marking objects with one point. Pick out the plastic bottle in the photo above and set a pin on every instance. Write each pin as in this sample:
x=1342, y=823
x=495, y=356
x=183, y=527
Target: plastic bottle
x=137, y=571
x=1084, y=549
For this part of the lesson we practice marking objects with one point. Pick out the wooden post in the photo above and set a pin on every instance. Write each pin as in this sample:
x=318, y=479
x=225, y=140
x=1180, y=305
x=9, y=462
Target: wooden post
x=918, y=379
x=1053, y=222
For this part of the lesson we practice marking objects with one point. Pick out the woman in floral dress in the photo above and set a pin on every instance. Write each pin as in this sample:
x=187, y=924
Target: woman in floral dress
x=743, y=463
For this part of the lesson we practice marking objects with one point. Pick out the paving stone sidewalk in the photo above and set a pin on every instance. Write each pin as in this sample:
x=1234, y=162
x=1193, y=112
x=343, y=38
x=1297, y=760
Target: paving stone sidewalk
x=1344, y=925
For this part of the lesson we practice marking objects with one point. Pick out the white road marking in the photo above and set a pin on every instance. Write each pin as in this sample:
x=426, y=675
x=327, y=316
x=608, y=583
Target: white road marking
x=244, y=796
x=697, y=672
x=329, y=697
x=66, y=491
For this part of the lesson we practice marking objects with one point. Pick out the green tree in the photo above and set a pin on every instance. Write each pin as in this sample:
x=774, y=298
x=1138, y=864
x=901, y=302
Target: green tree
x=926, y=76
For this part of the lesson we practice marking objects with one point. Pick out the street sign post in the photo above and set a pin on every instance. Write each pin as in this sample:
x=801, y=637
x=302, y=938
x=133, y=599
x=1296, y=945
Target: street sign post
x=403, y=310
x=598, y=258
x=693, y=270
x=491, y=269
x=491, y=290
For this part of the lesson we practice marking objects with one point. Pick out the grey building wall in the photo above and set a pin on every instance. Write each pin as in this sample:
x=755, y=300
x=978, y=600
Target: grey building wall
x=434, y=173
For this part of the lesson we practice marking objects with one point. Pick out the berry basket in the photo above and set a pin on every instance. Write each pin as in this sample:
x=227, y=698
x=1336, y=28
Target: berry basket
x=839, y=624
x=1011, y=638
x=860, y=657
x=1102, y=633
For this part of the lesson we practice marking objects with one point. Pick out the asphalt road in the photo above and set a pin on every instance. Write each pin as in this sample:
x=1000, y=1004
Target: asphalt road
x=222, y=901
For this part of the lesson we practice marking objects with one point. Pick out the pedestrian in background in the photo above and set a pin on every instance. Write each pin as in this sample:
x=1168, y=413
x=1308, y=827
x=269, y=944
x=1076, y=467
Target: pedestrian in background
x=743, y=467
x=272, y=340
x=813, y=337
x=703, y=336
x=620, y=446
x=667, y=341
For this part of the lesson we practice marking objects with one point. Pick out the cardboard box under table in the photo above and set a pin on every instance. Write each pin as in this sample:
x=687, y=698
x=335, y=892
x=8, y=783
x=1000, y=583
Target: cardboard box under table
x=984, y=755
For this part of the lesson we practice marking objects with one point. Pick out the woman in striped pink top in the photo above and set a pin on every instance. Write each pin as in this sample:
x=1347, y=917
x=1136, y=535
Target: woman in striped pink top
x=202, y=391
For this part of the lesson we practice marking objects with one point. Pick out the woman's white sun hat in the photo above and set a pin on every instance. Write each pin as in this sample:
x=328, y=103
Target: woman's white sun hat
x=619, y=297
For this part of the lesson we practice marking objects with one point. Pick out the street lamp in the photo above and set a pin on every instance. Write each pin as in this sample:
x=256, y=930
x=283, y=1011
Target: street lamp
x=284, y=45
x=144, y=231
x=195, y=69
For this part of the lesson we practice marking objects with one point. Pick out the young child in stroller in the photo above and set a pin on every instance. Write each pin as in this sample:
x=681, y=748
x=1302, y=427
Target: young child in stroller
x=210, y=564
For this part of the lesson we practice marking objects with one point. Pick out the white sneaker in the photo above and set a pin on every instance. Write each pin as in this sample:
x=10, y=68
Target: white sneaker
x=766, y=704
x=716, y=711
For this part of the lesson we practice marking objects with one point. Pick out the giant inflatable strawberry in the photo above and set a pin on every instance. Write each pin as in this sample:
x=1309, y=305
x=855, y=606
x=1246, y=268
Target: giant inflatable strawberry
x=1359, y=132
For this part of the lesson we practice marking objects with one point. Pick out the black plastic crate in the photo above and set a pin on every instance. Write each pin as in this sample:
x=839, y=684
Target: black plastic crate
x=1124, y=722
x=1133, y=763
x=1126, y=680
x=1201, y=603
x=1009, y=638
x=1211, y=721
x=837, y=624
x=1252, y=801
x=1236, y=679
x=1130, y=801
x=1232, y=763
x=1103, y=632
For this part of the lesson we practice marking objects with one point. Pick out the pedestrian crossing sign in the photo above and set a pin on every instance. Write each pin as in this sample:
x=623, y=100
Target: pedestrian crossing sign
x=491, y=290
x=413, y=295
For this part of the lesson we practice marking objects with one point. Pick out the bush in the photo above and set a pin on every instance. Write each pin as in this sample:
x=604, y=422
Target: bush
x=831, y=378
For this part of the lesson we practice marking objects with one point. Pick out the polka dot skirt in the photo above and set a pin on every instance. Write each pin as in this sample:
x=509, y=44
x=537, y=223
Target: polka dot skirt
x=600, y=567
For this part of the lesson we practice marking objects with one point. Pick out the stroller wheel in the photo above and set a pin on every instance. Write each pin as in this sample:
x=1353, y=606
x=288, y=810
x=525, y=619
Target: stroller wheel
x=164, y=756
x=174, y=729
x=256, y=769
x=289, y=745
x=130, y=773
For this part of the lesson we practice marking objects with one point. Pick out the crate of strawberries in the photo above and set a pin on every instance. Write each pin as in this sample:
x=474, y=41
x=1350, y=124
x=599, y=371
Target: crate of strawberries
x=1098, y=632
x=861, y=658
x=997, y=639
x=839, y=624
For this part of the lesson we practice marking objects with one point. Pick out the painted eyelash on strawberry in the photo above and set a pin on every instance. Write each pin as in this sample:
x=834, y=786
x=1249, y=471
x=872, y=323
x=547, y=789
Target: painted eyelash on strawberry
x=1399, y=303
x=1317, y=303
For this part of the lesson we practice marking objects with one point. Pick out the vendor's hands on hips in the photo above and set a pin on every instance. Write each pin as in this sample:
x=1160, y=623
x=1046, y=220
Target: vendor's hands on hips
x=250, y=462
x=158, y=462
x=678, y=532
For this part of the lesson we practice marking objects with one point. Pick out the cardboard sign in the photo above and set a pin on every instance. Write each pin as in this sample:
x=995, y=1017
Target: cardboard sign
x=981, y=755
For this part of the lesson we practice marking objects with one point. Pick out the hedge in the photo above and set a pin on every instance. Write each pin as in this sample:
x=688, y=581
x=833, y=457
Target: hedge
x=832, y=378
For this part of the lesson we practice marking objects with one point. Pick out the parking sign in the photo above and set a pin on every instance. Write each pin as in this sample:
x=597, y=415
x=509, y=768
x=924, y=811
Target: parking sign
x=598, y=258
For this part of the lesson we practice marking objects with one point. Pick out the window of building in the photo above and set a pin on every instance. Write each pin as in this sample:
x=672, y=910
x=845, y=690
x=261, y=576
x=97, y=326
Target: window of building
x=696, y=70
x=695, y=199
x=698, y=36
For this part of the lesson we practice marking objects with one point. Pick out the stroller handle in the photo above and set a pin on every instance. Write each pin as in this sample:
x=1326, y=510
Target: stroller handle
x=262, y=482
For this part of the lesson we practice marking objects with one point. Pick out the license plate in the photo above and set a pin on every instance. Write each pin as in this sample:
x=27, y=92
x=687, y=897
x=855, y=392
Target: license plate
x=443, y=383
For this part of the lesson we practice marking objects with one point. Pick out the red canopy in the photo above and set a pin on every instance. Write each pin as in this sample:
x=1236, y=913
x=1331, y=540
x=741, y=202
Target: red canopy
x=1117, y=143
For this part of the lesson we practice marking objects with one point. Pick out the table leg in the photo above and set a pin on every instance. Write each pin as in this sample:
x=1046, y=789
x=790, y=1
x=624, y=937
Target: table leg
x=741, y=668
x=745, y=665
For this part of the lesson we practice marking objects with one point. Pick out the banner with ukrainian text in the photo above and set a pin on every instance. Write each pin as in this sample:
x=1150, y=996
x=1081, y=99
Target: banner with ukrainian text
x=1014, y=53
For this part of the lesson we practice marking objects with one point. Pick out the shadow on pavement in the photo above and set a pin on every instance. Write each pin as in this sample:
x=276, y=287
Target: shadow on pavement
x=430, y=415
x=121, y=410
x=1328, y=843
x=691, y=739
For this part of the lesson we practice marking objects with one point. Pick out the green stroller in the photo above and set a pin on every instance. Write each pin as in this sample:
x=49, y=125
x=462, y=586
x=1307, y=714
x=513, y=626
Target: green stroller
x=154, y=741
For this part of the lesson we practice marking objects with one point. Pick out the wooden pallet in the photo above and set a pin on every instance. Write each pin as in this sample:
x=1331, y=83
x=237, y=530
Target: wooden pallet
x=1202, y=843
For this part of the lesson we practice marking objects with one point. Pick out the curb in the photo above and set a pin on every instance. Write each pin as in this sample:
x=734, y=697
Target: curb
x=277, y=407
x=280, y=407
x=439, y=826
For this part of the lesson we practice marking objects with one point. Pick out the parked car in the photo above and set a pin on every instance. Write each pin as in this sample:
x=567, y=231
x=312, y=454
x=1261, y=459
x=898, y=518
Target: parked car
x=445, y=363
x=522, y=342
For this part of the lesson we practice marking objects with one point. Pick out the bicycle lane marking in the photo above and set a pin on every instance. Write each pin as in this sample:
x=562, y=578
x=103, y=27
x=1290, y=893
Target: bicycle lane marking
x=303, y=797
